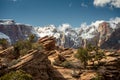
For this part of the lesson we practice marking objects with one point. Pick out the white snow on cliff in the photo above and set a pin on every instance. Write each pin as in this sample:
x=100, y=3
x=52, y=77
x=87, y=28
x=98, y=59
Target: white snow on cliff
x=7, y=22
x=65, y=33
x=2, y=35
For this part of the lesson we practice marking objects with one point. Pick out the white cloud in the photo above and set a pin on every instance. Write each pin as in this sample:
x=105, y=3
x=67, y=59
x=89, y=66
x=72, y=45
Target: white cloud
x=96, y=23
x=112, y=22
x=116, y=3
x=84, y=25
x=86, y=31
x=64, y=27
x=84, y=5
x=115, y=20
x=102, y=3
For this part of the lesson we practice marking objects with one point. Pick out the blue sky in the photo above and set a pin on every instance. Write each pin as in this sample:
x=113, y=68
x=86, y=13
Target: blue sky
x=57, y=12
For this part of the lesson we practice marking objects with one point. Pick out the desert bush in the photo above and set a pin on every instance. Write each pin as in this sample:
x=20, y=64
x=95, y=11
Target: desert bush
x=4, y=43
x=16, y=75
x=66, y=64
x=21, y=47
x=99, y=55
x=89, y=47
x=82, y=55
x=37, y=46
x=98, y=77
x=13, y=62
x=31, y=38
x=55, y=63
x=23, y=51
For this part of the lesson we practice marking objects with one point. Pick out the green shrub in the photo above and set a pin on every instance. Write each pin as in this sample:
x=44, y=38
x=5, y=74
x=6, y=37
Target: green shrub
x=16, y=75
x=37, y=46
x=55, y=63
x=23, y=52
x=21, y=47
x=82, y=55
x=13, y=62
x=98, y=77
x=31, y=38
x=89, y=47
x=99, y=55
x=66, y=64
x=4, y=43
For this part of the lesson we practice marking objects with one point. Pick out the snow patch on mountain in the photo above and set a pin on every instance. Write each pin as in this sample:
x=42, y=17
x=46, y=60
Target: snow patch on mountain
x=96, y=23
x=7, y=22
x=68, y=36
x=113, y=22
x=3, y=36
x=64, y=27
x=47, y=31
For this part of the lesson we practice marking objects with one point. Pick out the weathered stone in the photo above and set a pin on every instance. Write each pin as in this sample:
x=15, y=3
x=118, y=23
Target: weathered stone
x=88, y=75
x=36, y=64
x=47, y=42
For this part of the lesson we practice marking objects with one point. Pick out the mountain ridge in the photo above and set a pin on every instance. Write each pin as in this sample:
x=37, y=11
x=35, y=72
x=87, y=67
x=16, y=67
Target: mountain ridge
x=65, y=34
x=69, y=37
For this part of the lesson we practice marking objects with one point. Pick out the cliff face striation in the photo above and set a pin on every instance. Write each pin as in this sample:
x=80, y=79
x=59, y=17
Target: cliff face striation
x=73, y=38
x=65, y=35
x=15, y=31
x=36, y=64
x=113, y=42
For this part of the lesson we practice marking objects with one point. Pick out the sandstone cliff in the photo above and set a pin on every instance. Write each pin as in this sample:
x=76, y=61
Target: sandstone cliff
x=15, y=31
x=35, y=63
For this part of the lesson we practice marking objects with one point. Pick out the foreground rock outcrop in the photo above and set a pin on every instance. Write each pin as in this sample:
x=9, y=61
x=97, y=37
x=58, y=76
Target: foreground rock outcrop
x=37, y=64
x=48, y=42
x=111, y=69
x=58, y=63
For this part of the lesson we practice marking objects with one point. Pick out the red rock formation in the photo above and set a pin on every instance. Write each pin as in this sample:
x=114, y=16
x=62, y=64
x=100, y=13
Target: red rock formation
x=113, y=42
x=47, y=42
x=104, y=32
x=37, y=64
x=40, y=67
x=88, y=75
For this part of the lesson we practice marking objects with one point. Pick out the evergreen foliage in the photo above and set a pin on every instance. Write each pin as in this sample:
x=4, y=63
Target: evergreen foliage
x=16, y=75
x=82, y=55
x=4, y=43
x=22, y=47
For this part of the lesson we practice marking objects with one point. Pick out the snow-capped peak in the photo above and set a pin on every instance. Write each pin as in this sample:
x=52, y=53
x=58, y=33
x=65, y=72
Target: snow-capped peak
x=96, y=23
x=7, y=21
x=64, y=27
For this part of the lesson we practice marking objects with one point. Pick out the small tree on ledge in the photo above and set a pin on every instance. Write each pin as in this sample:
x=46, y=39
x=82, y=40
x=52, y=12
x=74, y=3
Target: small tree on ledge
x=83, y=56
x=4, y=43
